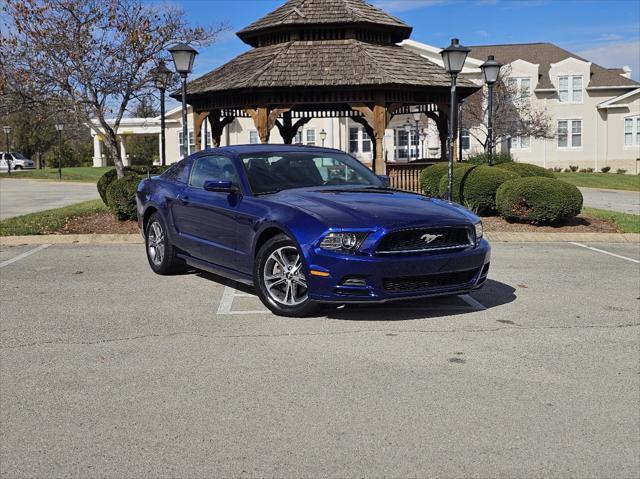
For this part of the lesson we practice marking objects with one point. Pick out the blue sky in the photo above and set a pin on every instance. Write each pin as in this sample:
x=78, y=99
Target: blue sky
x=606, y=32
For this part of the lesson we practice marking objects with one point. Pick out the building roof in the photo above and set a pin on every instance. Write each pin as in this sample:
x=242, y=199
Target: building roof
x=307, y=13
x=325, y=63
x=544, y=54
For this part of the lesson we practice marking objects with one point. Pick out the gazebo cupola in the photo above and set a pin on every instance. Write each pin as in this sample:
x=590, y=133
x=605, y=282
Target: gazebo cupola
x=323, y=58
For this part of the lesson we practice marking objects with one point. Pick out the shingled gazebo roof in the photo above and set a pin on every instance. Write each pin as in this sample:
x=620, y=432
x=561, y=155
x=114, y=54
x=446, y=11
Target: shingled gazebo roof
x=310, y=13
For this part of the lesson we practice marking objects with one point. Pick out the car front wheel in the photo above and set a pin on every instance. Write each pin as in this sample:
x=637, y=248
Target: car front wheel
x=280, y=280
x=160, y=252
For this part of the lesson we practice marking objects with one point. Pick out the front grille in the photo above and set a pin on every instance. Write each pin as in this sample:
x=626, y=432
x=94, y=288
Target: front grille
x=440, y=280
x=425, y=239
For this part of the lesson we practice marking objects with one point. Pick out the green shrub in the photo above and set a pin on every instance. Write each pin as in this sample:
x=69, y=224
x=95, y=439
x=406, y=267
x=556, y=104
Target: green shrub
x=121, y=198
x=430, y=178
x=106, y=179
x=606, y=169
x=573, y=168
x=538, y=200
x=483, y=158
x=621, y=171
x=525, y=170
x=475, y=187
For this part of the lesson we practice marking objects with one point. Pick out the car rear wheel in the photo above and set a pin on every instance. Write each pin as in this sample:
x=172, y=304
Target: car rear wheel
x=280, y=280
x=160, y=252
x=17, y=167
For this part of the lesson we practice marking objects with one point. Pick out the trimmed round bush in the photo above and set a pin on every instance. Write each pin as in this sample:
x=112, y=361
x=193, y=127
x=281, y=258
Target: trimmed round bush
x=483, y=158
x=430, y=177
x=121, y=198
x=103, y=183
x=106, y=179
x=525, y=170
x=475, y=186
x=538, y=200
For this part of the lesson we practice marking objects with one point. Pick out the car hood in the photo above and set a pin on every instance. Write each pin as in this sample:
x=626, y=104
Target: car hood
x=365, y=208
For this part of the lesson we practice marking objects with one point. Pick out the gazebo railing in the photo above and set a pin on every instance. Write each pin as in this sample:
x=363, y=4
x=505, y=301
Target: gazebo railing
x=406, y=176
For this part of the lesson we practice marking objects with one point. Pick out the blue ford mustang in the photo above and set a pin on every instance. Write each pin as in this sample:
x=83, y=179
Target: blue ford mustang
x=307, y=226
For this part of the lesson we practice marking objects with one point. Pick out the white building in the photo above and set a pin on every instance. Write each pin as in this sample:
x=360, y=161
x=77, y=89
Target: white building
x=595, y=111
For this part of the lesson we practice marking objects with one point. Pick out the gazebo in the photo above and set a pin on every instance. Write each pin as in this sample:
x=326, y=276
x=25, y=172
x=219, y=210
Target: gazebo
x=323, y=58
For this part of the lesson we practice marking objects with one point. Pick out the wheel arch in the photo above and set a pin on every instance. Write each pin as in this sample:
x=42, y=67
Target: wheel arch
x=266, y=234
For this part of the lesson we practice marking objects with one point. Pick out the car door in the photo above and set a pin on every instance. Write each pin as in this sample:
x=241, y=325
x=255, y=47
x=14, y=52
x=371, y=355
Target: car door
x=206, y=220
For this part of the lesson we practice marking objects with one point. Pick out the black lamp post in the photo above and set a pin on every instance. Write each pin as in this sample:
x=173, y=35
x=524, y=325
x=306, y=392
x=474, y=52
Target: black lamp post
x=407, y=128
x=183, y=57
x=161, y=78
x=59, y=127
x=453, y=58
x=7, y=132
x=323, y=136
x=490, y=70
x=460, y=108
x=416, y=118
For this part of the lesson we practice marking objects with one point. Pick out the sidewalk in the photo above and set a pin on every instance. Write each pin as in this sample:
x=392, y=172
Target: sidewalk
x=616, y=200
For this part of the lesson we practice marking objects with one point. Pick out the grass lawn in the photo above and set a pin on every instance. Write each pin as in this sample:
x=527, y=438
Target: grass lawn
x=85, y=174
x=626, y=222
x=48, y=221
x=602, y=180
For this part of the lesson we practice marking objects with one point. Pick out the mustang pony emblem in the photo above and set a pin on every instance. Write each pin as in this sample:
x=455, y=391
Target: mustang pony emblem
x=427, y=238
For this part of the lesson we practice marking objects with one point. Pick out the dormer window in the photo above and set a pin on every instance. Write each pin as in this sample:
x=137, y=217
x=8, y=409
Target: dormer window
x=570, y=89
x=520, y=88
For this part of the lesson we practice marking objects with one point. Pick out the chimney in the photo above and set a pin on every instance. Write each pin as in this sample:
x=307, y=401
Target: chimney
x=627, y=71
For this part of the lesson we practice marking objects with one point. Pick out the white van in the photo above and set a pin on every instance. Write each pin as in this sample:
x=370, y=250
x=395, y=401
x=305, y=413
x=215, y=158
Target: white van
x=18, y=162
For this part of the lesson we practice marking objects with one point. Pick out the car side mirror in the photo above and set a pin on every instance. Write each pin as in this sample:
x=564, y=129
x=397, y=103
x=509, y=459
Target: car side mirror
x=220, y=186
x=386, y=180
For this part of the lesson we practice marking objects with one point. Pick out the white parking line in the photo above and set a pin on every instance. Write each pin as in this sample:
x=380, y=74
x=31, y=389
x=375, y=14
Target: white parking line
x=226, y=302
x=229, y=294
x=23, y=255
x=605, y=252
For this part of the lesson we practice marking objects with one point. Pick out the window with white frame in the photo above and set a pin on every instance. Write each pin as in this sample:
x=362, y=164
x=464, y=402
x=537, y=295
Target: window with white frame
x=465, y=139
x=520, y=142
x=632, y=131
x=359, y=141
x=311, y=137
x=253, y=137
x=570, y=89
x=520, y=88
x=570, y=134
x=192, y=143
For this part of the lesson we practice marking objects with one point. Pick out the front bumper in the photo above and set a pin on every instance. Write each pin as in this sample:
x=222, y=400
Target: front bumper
x=388, y=278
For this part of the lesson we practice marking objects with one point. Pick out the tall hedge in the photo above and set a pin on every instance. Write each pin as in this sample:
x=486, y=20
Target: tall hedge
x=526, y=170
x=475, y=186
x=483, y=158
x=538, y=200
x=121, y=198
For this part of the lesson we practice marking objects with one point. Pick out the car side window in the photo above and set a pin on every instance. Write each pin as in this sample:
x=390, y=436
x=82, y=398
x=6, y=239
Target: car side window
x=175, y=172
x=213, y=168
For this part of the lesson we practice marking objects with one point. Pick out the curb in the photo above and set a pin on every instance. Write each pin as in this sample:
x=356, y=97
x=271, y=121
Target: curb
x=497, y=237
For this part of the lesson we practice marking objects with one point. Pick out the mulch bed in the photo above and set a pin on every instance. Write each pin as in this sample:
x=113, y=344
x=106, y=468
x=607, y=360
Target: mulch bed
x=98, y=223
x=106, y=223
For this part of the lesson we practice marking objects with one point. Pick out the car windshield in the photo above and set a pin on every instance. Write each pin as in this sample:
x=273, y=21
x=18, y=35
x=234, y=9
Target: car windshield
x=18, y=156
x=273, y=172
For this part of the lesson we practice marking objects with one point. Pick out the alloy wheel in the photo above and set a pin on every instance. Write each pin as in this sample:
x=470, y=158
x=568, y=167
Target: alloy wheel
x=156, y=243
x=283, y=277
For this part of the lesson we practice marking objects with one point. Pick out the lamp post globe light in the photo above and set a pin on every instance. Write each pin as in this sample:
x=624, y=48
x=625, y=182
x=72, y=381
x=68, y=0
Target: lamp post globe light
x=183, y=56
x=490, y=71
x=7, y=132
x=323, y=136
x=161, y=79
x=453, y=57
x=59, y=127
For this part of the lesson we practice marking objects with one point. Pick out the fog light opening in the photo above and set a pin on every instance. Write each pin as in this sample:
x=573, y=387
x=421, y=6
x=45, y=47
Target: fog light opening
x=354, y=281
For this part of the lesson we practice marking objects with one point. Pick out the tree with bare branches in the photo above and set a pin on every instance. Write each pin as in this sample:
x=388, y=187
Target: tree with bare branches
x=513, y=113
x=89, y=57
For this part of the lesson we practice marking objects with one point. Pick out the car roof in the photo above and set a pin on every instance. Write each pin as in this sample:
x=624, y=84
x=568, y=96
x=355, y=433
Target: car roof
x=270, y=148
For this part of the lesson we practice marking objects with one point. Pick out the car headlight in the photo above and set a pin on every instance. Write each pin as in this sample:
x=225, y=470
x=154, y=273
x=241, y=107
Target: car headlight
x=479, y=231
x=348, y=242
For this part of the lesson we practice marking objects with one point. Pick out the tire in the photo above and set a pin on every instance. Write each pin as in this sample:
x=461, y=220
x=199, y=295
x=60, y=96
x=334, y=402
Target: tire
x=17, y=168
x=160, y=252
x=278, y=276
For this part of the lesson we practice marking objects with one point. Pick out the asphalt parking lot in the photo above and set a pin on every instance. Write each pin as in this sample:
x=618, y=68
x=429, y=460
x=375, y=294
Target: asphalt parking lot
x=110, y=371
